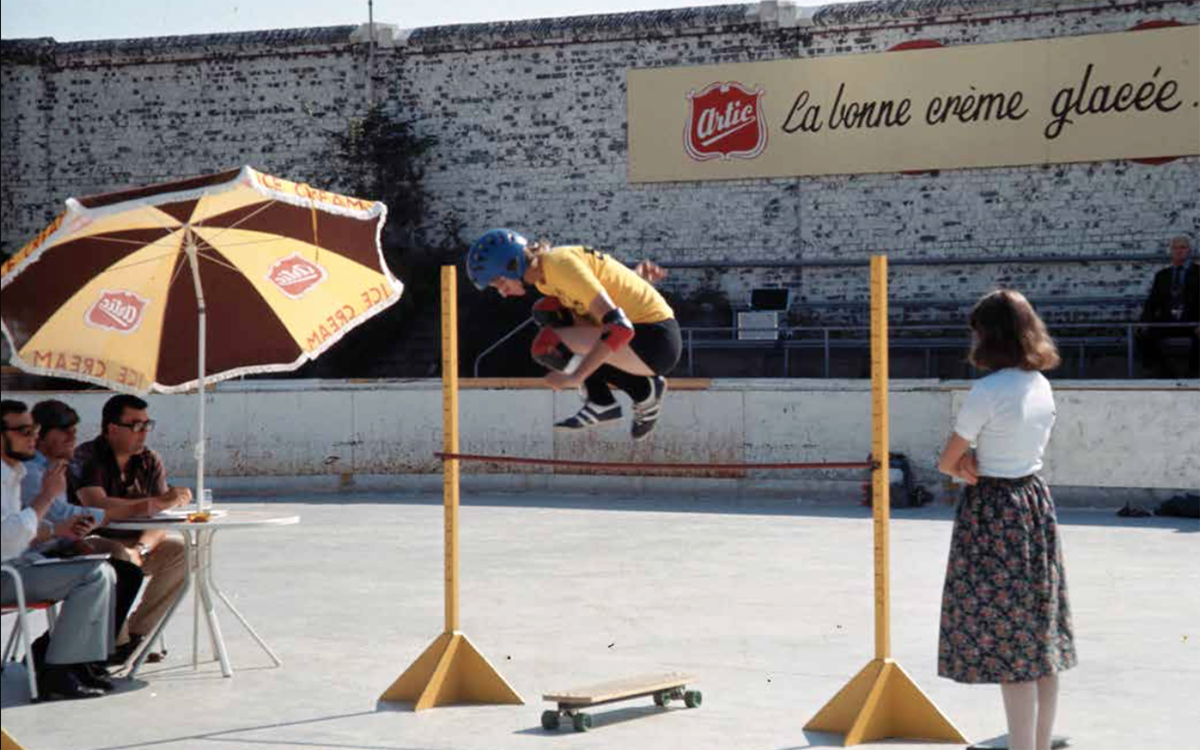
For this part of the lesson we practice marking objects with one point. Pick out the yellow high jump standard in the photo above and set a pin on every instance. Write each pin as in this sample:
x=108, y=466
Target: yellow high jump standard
x=7, y=742
x=882, y=701
x=451, y=669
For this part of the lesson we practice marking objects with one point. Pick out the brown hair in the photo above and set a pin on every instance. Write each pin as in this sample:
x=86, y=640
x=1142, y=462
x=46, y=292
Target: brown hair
x=53, y=414
x=1009, y=333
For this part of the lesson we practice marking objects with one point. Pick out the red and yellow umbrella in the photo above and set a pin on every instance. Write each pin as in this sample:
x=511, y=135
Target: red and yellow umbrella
x=167, y=287
x=164, y=288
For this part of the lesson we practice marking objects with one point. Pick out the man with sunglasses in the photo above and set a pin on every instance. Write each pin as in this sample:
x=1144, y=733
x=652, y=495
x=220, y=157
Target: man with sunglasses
x=85, y=625
x=57, y=423
x=121, y=476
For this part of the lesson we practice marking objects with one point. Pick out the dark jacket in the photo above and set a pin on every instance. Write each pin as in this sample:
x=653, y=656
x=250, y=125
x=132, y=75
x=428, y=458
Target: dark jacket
x=1158, y=305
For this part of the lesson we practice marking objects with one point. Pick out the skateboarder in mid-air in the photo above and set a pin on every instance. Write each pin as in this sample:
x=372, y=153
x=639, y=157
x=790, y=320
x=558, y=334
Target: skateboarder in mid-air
x=602, y=324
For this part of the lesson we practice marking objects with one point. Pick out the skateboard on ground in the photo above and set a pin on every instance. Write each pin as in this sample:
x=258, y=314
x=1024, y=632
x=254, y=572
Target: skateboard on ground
x=664, y=688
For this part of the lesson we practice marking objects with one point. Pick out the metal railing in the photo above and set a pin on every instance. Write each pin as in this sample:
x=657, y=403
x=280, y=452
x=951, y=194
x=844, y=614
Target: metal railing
x=927, y=337
x=829, y=338
x=498, y=343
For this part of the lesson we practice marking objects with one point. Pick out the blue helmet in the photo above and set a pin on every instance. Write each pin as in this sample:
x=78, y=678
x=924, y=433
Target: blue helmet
x=499, y=252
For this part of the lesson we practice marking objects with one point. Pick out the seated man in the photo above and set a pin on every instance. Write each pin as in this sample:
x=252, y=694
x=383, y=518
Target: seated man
x=84, y=632
x=56, y=443
x=1174, y=298
x=124, y=478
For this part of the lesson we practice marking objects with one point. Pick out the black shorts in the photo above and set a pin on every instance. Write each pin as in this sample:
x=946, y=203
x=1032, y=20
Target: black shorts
x=659, y=345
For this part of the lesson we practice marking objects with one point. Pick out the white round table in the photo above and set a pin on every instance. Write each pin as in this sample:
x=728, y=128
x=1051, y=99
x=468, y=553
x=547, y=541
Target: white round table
x=198, y=545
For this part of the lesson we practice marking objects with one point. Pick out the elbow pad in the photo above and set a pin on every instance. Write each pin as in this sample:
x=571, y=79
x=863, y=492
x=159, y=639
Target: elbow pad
x=617, y=330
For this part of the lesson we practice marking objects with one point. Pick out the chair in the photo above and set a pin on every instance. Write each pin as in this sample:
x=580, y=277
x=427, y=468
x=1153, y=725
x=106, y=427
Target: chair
x=761, y=321
x=21, y=629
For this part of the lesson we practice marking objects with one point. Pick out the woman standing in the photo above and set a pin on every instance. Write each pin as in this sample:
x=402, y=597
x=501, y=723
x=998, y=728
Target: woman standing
x=1005, y=614
x=602, y=323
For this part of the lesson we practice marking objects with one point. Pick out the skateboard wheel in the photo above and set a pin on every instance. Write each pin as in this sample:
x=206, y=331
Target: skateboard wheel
x=662, y=697
x=693, y=698
x=582, y=722
x=549, y=720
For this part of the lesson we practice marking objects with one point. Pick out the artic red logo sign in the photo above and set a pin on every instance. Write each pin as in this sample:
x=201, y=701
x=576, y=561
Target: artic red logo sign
x=120, y=311
x=295, y=276
x=725, y=120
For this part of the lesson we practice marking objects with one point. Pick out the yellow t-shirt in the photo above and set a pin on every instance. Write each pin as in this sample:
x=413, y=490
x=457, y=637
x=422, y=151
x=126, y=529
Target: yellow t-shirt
x=576, y=275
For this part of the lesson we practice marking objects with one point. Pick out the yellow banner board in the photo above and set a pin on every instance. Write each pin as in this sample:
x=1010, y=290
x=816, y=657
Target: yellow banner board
x=1127, y=95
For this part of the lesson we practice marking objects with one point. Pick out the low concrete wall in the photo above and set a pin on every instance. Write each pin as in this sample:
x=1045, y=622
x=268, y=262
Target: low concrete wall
x=1108, y=435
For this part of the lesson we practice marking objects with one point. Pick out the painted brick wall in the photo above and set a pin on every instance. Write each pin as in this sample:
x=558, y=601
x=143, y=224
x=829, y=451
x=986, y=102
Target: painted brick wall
x=90, y=117
x=531, y=123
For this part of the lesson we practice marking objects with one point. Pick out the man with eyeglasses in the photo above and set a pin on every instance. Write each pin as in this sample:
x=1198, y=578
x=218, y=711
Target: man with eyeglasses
x=57, y=423
x=1174, y=298
x=121, y=476
x=85, y=627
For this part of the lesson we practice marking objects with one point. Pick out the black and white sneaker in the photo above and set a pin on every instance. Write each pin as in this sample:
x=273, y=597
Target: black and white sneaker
x=591, y=415
x=645, y=414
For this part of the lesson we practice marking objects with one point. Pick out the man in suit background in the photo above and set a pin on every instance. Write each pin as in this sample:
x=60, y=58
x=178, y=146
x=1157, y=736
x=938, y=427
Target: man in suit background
x=1174, y=298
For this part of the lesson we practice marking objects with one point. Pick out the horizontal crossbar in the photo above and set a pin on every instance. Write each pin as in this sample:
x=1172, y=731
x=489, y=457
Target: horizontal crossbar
x=630, y=465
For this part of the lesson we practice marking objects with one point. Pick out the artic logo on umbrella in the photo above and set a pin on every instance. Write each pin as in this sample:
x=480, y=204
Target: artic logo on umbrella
x=295, y=276
x=119, y=311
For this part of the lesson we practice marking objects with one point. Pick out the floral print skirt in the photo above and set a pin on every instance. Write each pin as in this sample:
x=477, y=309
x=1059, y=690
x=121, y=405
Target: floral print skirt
x=1005, y=614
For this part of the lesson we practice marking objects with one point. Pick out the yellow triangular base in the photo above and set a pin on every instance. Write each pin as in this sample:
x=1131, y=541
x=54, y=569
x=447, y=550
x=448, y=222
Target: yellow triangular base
x=7, y=742
x=451, y=670
x=882, y=702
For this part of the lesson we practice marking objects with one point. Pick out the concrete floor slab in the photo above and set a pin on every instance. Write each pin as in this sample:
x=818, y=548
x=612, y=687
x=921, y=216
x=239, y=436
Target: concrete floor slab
x=768, y=601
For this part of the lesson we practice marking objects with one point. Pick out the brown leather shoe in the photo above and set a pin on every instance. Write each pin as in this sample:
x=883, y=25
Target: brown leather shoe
x=123, y=653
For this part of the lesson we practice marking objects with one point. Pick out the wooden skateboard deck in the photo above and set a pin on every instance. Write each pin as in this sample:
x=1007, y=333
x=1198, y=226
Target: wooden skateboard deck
x=664, y=687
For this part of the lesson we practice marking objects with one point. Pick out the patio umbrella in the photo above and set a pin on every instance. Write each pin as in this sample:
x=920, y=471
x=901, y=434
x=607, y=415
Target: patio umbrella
x=168, y=287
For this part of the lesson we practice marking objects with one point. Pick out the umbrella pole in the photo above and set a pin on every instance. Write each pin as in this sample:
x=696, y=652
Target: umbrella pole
x=190, y=249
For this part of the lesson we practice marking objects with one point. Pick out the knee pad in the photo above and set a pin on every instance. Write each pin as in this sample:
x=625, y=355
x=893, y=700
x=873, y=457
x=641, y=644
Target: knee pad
x=548, y=311
x=551, y=352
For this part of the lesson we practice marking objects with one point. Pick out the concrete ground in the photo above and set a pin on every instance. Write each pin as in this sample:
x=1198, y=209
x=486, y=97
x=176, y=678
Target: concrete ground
x=768, y=601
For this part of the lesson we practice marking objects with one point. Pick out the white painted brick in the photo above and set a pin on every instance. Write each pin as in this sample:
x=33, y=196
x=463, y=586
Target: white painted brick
x=530, y=119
